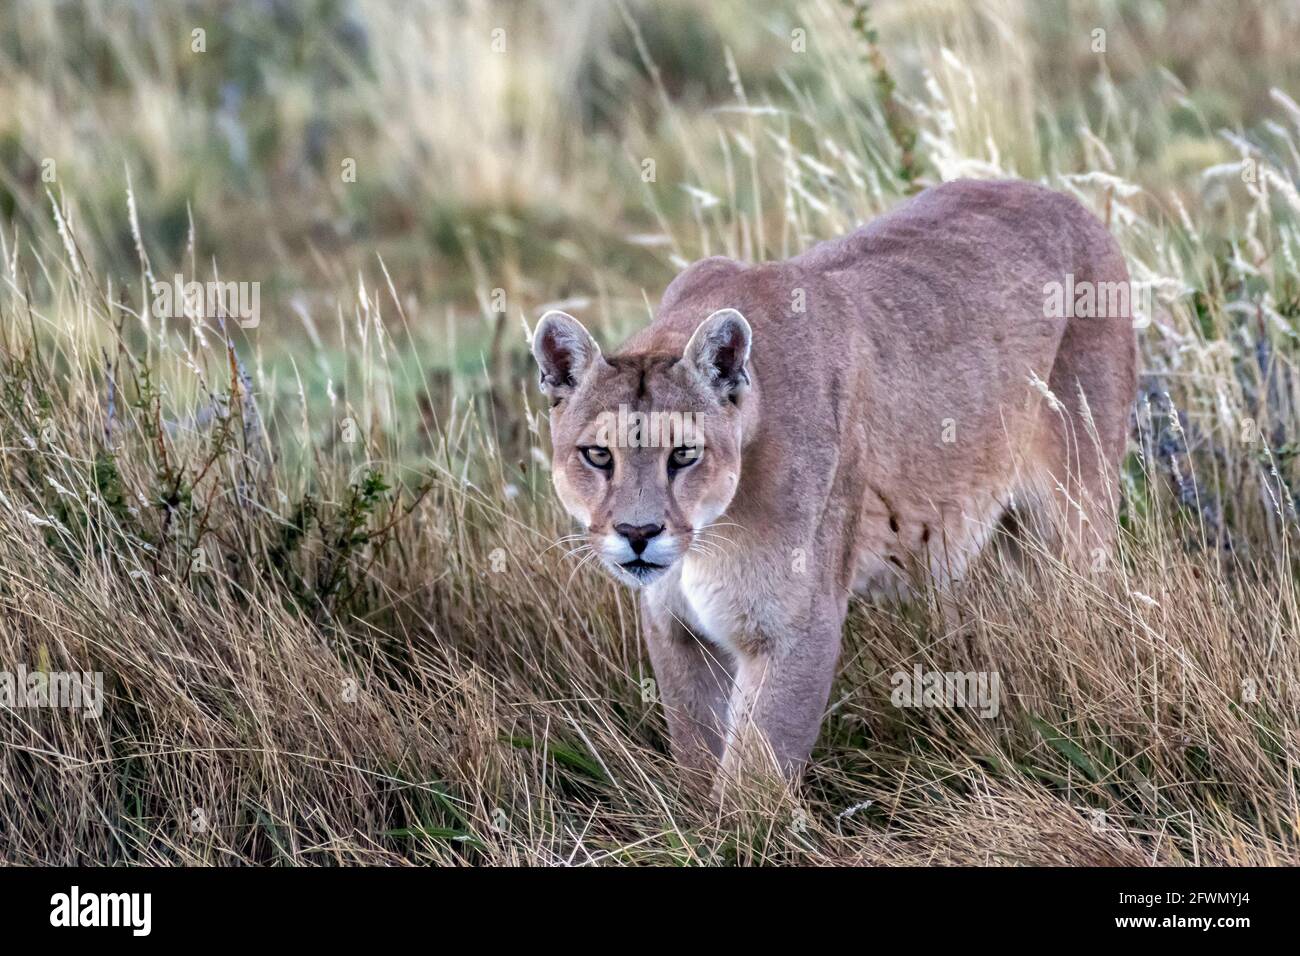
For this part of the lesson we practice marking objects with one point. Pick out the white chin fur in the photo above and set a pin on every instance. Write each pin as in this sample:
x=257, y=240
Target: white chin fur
x=636, y=579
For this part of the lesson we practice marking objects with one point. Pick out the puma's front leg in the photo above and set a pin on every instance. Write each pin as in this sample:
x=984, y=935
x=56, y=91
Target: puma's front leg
x=782, y=686
x=695, y=681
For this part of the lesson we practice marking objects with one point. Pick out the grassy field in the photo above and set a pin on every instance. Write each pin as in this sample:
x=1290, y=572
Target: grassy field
x=315, y=557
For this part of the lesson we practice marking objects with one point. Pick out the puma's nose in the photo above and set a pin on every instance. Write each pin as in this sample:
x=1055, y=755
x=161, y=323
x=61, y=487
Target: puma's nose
x=638, y=535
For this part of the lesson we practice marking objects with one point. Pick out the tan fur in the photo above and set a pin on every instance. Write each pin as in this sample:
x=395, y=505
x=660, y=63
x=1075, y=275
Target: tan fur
x=876, y=415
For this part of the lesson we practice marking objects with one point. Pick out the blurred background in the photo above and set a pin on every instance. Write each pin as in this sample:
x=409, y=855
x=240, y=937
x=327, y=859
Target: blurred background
x=582, y=151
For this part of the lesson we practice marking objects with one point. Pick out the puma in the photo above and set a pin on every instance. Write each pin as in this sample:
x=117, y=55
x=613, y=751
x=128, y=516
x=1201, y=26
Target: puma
x=863, y=415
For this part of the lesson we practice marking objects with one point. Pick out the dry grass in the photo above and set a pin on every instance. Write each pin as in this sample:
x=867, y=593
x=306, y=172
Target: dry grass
x=318, y=651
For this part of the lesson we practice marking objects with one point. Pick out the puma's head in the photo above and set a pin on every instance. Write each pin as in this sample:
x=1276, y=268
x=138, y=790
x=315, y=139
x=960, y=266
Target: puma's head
x=646, y=447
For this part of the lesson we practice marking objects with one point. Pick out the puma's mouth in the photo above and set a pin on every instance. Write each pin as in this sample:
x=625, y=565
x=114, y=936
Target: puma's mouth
x=639, y=572
x=649, y=562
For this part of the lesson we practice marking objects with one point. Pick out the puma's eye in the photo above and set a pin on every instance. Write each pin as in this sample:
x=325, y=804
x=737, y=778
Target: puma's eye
x=684, y=456
x=598, y=457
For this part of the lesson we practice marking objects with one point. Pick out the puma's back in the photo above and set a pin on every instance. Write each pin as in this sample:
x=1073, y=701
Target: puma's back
x=916, y=352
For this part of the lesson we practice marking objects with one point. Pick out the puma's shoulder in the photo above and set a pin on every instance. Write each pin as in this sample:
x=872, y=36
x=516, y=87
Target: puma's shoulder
x=700, y=277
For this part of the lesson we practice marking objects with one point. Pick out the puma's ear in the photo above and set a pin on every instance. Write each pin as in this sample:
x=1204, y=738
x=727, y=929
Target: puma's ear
x=564, y=351
x=719, y=349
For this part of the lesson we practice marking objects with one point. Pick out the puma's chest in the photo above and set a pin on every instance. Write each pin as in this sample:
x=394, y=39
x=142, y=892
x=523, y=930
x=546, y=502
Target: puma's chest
x=708, y=600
